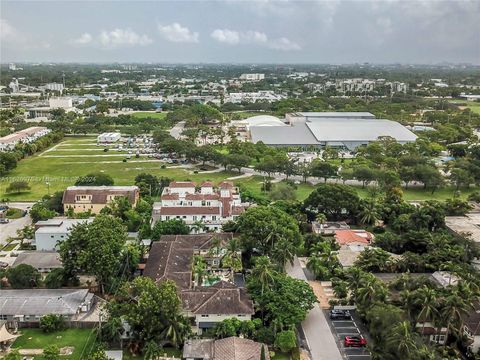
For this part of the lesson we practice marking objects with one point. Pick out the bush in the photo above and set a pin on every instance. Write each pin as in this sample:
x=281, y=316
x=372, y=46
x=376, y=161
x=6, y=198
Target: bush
x=286, y=341
x=55, y=279
x=51, y=352
x=51, y=323
x=475, y=197
x=23, y=276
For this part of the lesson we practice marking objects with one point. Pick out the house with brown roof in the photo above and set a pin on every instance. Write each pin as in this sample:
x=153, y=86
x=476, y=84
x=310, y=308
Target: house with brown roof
x=95, y=198
x=353, y=237
x=214, y=299
x=231, y=348
x=204, y=204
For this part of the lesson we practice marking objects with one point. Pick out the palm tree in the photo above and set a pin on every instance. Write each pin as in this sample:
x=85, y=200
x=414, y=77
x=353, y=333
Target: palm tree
x=427, y=298
x=176, y=330
x=283, y=251
x=233, y=257
x=264, y=271
x=402, y=339
x=454, y=308
x=199, y=269
x=407, y=298
x=368, y=213
x=317, y=266
x=321, y=219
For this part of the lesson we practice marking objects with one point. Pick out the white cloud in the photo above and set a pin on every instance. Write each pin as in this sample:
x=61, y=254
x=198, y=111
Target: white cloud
x=83, y=39
x=232, y=37
x=9, y=33
x=123, y=38
x=178, y=33
x=284, y=44
x=226, y=36
x=116, y=38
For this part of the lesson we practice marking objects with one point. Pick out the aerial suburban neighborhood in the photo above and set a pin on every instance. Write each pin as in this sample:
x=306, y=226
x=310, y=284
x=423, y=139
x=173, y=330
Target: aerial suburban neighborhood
x=240, y=180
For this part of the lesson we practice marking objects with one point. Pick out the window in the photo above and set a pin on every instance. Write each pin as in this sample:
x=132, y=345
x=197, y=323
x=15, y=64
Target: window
x=167, y=217
x=3, y=317
x=214, y=217
x=203, y=202
x=438, y=338
x=194, y=217
x=204, y=315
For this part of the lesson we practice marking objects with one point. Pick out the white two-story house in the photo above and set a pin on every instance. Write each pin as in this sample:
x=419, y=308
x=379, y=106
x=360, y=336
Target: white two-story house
x=206, y=205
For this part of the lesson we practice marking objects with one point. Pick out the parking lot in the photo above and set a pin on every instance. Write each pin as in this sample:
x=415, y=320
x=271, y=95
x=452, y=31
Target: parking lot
x=342, y=328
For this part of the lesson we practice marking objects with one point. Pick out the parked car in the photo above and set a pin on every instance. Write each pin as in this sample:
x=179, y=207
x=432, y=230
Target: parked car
x=355, y=341
x=340, y=315
x=4, y=221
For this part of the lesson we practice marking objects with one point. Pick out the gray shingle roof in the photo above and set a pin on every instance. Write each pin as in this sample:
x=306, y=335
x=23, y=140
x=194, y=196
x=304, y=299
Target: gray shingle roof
x=39, y=259
x=41, y=301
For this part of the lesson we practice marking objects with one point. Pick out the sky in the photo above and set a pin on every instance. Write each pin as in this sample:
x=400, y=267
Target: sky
x=241, y=31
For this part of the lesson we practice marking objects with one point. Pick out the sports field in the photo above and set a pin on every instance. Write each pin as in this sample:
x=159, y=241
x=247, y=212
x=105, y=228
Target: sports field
x=148, y=114
x=60, y=166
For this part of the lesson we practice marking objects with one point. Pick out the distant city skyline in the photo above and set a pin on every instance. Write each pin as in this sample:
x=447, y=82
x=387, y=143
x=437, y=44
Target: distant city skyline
x=263, y=31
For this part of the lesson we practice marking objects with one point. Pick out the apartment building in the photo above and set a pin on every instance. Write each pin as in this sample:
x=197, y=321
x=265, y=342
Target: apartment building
x=22, y=137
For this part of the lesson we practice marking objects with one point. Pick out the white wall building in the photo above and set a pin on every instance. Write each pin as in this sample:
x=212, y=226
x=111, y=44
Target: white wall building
x=60, y=102
x=211, y=206
x=252, y=77
x=109, y=137
x=53, y=231
x=23, y=136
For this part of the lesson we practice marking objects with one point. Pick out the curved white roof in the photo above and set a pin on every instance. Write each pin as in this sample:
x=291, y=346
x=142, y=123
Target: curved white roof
x=262, y=120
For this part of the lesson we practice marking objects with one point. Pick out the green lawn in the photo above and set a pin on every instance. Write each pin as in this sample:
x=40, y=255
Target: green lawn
x=473, y=105
x=36, y=339
x=153, y=115
x=9, y=247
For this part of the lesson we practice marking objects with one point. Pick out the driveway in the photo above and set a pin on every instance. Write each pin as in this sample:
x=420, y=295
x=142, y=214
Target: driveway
x=321, y=341
x=10, y=229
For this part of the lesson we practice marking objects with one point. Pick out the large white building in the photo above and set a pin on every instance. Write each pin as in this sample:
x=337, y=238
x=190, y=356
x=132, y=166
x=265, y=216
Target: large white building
x=252, y=77
x=347, y=130
x=109, y=137
x=50, y=233
x=252, y=97
x=211, y=206
x=22, y=137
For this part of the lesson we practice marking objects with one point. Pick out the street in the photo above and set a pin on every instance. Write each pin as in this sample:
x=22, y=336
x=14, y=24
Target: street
x=10, y=229
x=322, y=343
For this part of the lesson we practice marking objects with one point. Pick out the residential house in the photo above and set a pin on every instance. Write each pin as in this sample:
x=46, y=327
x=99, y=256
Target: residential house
x=50, y=233
x=95, y=198
x=43, y=261
x=206, y=205
x=29, y=305
x=353, y=237
x=207, y=301
x=231, y=348
x=329, y=227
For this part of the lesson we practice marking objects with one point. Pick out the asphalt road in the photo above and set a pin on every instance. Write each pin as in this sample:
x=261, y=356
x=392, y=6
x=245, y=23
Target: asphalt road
x=320, y=339
x=10, y=229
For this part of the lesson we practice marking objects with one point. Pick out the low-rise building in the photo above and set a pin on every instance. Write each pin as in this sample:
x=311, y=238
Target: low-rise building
x=471, y=328
x=468, y=225
x=29, y=305
x=43, y=261
x=206, y=205
x=95, y=198
x=22, y=137
x=329, y=227
x=231, y=348
x=207, y=302
x=353, y=237
x=109, y=137
x=50, y=233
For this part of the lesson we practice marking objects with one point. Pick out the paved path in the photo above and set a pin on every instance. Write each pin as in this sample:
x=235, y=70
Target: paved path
x=319, y=337
x=176, y=131
x=10, y=229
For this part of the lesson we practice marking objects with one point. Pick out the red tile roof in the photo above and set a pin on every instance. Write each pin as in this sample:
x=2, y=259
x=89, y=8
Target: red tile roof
x=344, y=237
x=207, y=184
x=170, y=197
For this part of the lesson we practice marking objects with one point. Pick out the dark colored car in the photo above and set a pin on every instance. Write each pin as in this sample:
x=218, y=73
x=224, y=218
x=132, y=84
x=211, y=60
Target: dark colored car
x=340, y=315
x=355, y=341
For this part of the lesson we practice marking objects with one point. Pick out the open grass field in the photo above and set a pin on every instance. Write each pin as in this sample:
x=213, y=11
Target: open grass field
x=60, y=166
x=37, y=339
x=146, y=114
x=473, y=105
